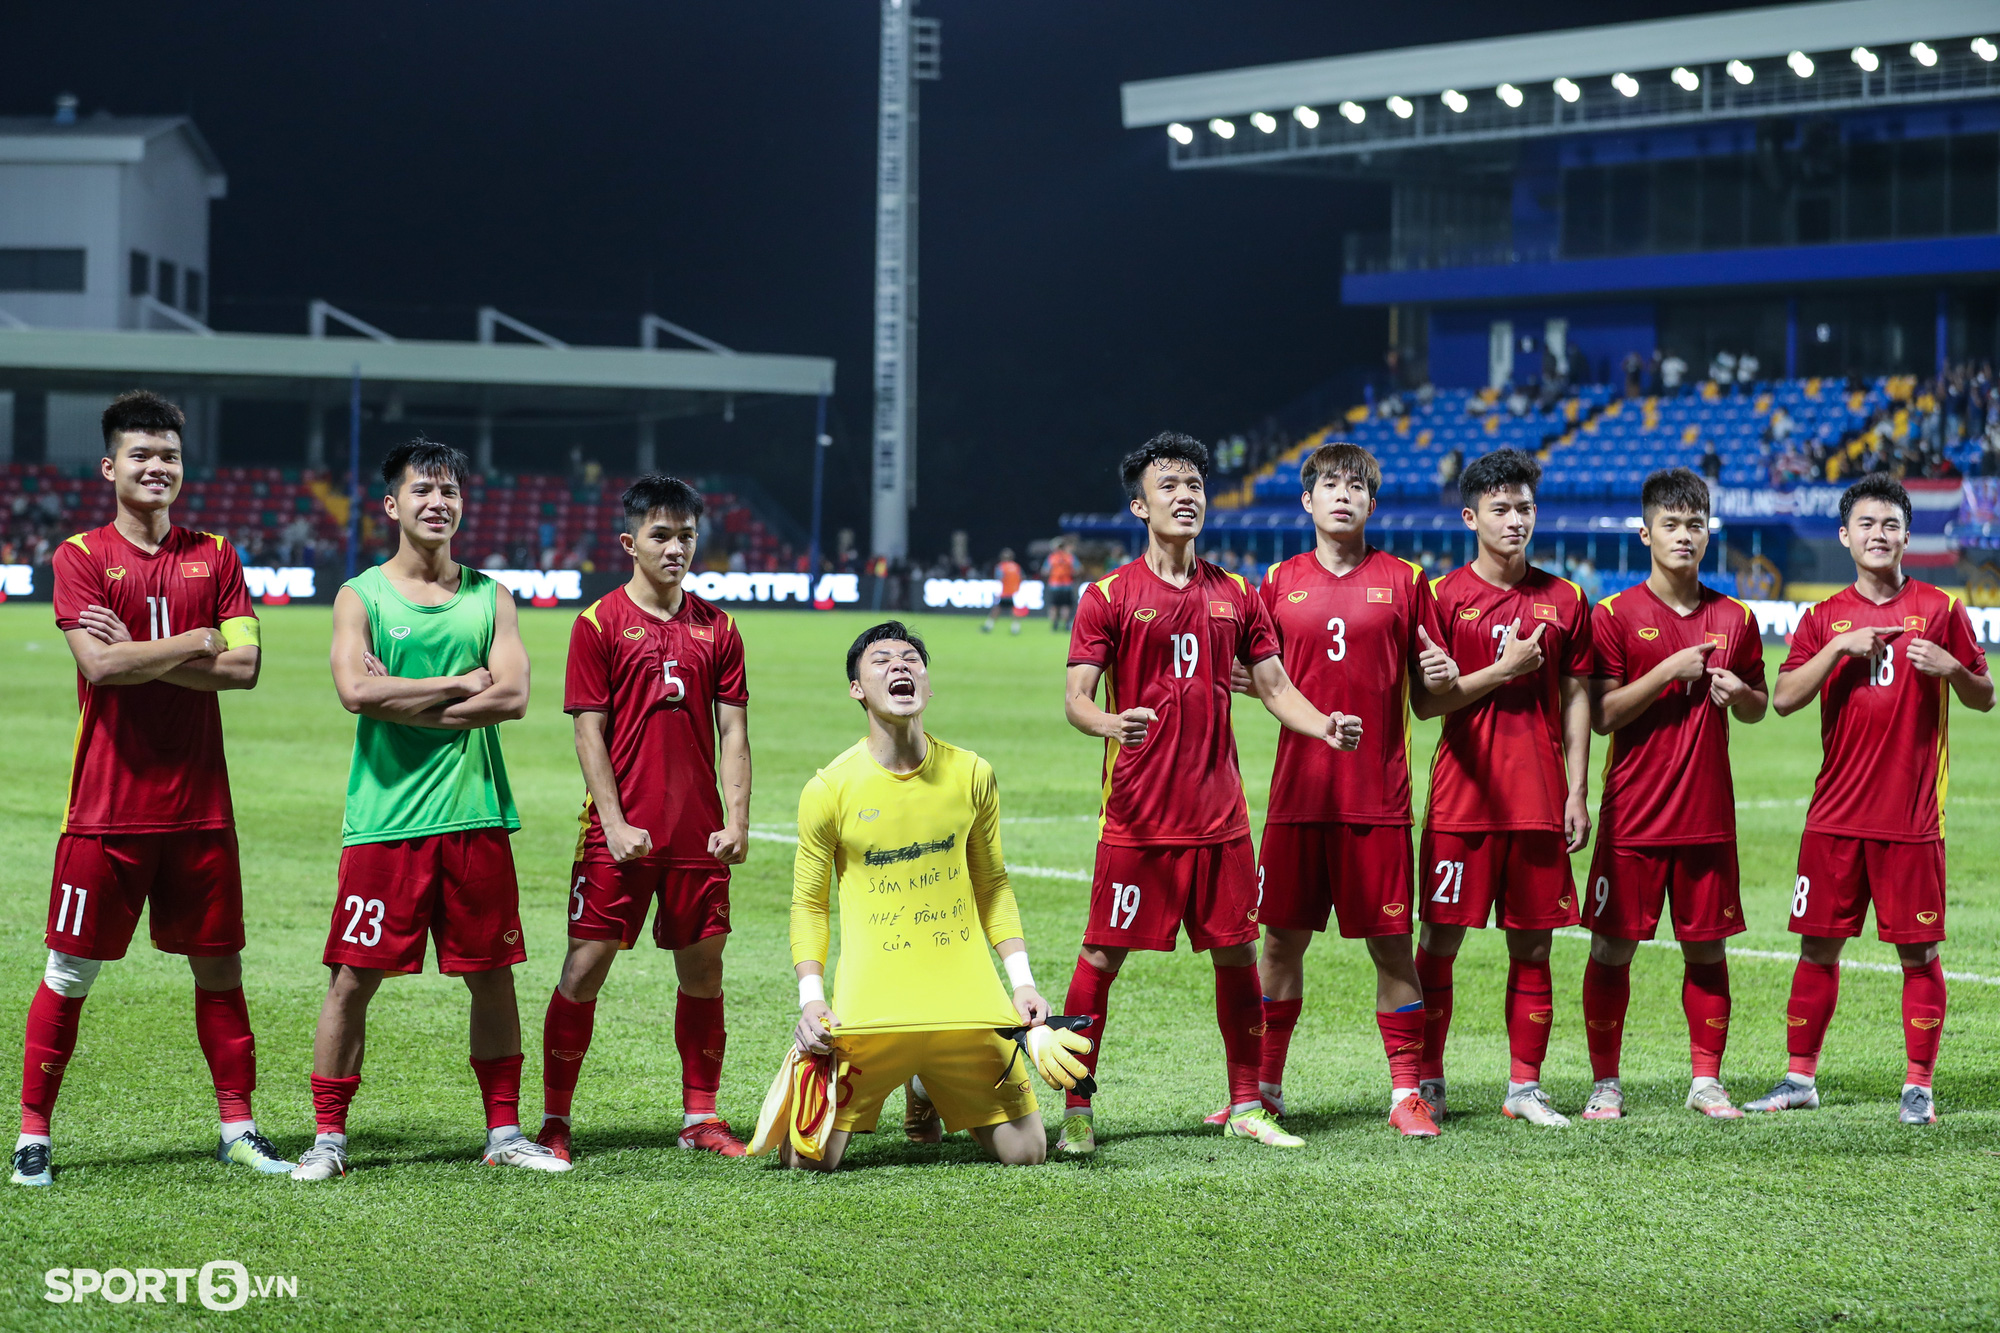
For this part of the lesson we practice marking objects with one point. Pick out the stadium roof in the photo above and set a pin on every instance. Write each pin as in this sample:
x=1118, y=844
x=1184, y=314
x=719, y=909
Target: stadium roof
x=1577, y=53
x=101, y=139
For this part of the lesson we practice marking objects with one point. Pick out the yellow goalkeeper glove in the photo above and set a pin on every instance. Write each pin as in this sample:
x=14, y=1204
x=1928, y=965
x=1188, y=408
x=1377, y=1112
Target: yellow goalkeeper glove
x=1054, y=1051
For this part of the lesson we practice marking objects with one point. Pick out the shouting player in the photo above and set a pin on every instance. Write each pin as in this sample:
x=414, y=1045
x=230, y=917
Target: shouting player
x=908, y=829
x=1675, y=660
x=655, y=680
x=1357, y=625
x=1878, y=655
x=1174, y=842
x=429, y=653
x=159, y=621
x=1507, y=802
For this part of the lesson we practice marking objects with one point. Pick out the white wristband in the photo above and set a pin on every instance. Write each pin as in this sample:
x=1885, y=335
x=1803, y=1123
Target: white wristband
x=812, y=988
x=1017, y=970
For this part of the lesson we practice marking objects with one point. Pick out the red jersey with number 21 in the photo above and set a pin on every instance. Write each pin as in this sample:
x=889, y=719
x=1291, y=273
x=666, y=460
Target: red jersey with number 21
x=1881, y=721
x=1170, y=649
x=1499, y=762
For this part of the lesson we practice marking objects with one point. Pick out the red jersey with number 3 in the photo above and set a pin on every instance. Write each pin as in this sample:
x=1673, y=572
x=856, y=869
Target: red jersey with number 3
x=149, y=757
x=1499, y=762
x=658, y=683
x=1350, y=645
x=1170, y=649
x=1882, y=723
x=1667, y=780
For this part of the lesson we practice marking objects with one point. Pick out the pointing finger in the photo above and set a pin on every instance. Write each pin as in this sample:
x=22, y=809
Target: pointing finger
x=1536, y=637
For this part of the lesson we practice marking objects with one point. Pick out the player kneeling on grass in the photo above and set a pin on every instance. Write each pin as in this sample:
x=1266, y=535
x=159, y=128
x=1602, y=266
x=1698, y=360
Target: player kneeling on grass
x=1878, y=655
x=159, y=620
x=429, y=653
x=1674, y=661
x=909, y=827
x=655, y=678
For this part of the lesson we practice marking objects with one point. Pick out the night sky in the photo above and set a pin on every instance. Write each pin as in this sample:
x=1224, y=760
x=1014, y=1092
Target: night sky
x=575, y=164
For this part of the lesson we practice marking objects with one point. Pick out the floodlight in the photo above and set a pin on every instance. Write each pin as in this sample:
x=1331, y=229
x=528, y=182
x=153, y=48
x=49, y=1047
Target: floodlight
x=1685, y=79
x=1454, y=99
x=1739, y=71
x=1180, y=134
x=1353, y=112
x=1625, y=84
x=1306, y=116
x=1509, y=94
x=1925, y=53
x=1401, y=106
x=1265, y=122
x=1801, y=64
x=1865, y=58
x=1222, y=129
x=1984, y=49
x=1566, y=90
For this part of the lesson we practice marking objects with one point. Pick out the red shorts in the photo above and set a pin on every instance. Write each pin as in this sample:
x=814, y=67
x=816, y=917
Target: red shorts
x=608, y=901
x=1520, y=876
x=1141, y=896
x=191, y=879
x=1839, y=877
x=1629, y=886
x=1363, y=872
x=457, y=887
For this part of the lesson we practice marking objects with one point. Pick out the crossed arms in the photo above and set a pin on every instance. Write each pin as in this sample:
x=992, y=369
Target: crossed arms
x=481, y=697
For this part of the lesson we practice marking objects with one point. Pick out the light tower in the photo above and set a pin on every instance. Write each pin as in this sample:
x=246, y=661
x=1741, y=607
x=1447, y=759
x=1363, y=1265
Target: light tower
x=910, y=52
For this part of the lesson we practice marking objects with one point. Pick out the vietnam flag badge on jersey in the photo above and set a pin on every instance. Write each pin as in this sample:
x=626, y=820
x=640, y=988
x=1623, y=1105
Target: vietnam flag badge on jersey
x=1380, y=595
x=1545, y=611
x=1914, y=624
x=194, y=569
x=1222, y=610
x=1720, y=640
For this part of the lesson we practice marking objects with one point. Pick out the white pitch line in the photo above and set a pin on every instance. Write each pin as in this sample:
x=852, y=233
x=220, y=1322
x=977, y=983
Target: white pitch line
x=1852, y=964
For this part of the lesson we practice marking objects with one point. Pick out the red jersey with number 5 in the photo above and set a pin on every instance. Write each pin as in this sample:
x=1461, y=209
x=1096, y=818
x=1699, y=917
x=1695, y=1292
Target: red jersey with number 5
x=1667, y=781
x=1350, y=645
x=1499, y=761
x=658, y=682
x=1170, y=649
x=149, y=757
x=1882, y=723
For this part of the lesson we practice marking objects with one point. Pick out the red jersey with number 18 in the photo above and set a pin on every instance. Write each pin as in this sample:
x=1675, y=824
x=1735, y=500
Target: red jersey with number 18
x=1499, y=761
x=659, y=681
x=1169, y=649
x=1350, y=645
x=1881, y=721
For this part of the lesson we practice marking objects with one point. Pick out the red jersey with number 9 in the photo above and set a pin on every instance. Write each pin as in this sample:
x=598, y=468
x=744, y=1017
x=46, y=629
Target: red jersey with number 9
x=1170, y=649
x=659, y=682
x=1499, y=761
x=1882, y=722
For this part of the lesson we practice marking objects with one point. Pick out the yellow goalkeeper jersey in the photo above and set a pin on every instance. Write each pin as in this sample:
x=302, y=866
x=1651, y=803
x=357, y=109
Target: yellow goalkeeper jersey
x=923, y=891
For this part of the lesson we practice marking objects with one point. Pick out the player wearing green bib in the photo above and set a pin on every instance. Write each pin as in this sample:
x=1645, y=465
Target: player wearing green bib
x=429, y=654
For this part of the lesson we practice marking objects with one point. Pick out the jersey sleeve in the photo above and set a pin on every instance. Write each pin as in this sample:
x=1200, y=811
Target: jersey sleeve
x=1093, y=634
x=1959, y=640
x=1807, y=639
x=1258, y=638
x=732, y=686
x=587, y=678
x=1748, y=663
x=235, y=613
x=79, y=582
x=1577, y=651
x=812, y=873
x=1607, y=643
x=998, y=912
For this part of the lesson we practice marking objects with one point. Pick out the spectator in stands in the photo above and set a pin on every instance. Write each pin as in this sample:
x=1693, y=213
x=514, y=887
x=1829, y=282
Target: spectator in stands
x=1517, y=401
x=1584, y=575
x=495, y=559
x=294, y=541
x=1722, y=370
x=1711, y=461
x=1673, y=374
x=1447, y=477
x=738, y=562
x=1747, y=367
x=1780, y=426
x=1634, y=371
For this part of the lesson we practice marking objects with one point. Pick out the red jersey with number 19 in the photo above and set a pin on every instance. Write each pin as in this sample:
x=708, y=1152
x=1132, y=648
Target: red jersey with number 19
x=1881, y=721
x=1499, y=761
x=659, y=681
x=1350, y=645
x=1169, y=649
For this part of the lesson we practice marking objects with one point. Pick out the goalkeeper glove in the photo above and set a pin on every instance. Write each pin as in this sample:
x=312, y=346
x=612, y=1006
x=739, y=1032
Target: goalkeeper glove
x=1054, y=1051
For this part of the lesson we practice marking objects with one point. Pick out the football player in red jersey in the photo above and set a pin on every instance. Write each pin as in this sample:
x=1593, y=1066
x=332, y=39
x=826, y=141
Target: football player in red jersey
x=1508, y=799
x=1357, y=625
x=1174, y=841
x=159, y=620
x=656, y=686
x=1675, y=660
x=1878, y=656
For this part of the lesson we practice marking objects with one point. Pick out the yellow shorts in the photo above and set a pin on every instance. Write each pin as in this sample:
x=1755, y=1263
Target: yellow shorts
x=959, y=1069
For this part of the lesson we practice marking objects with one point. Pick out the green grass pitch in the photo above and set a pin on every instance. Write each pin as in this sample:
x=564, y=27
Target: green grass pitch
x=1662, y=1221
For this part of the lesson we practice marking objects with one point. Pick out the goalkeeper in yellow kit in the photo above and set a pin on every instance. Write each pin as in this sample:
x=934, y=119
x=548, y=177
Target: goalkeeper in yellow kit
x=909, y=827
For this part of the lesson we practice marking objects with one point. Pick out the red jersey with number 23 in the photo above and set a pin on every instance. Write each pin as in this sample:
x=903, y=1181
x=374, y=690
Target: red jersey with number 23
x=1667, y=781
x=149, y=757
x=1170, y=649
x=1881, y=721
x=1499, y=761
x=1350, y=645
x=658, y=681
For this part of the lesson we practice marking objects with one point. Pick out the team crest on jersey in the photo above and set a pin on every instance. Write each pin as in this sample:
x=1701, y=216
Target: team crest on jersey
x=702, y=632
x=1914, y=624
x=1545, y=611
x=1842, y=626
x=400, y=632
x=1222, y=610
x=1649, y=633
x=194, y=569
x=1298, y=596
x=1145, y=613
x=115, y=572
x=1719, y=639
x=635, y=632
x=1380, y=595
x=869, y=814
x=1469, y=613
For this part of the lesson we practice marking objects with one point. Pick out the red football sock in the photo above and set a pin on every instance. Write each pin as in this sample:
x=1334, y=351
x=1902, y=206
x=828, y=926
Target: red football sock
x=1815, y=991
x=1607, y=992
x=1705, y=997
x=1089, y=993
x=500, y=1088
x=222, y=1026
x=1530, y=1013
x=699, y=1036
x=1281, y=1017
x=331, y=1098
x=1403, y=1041
x=1239, y=1012
x=47, y=1047
x=1434, y=975
x=1923, y=1019
x=565, y=1040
